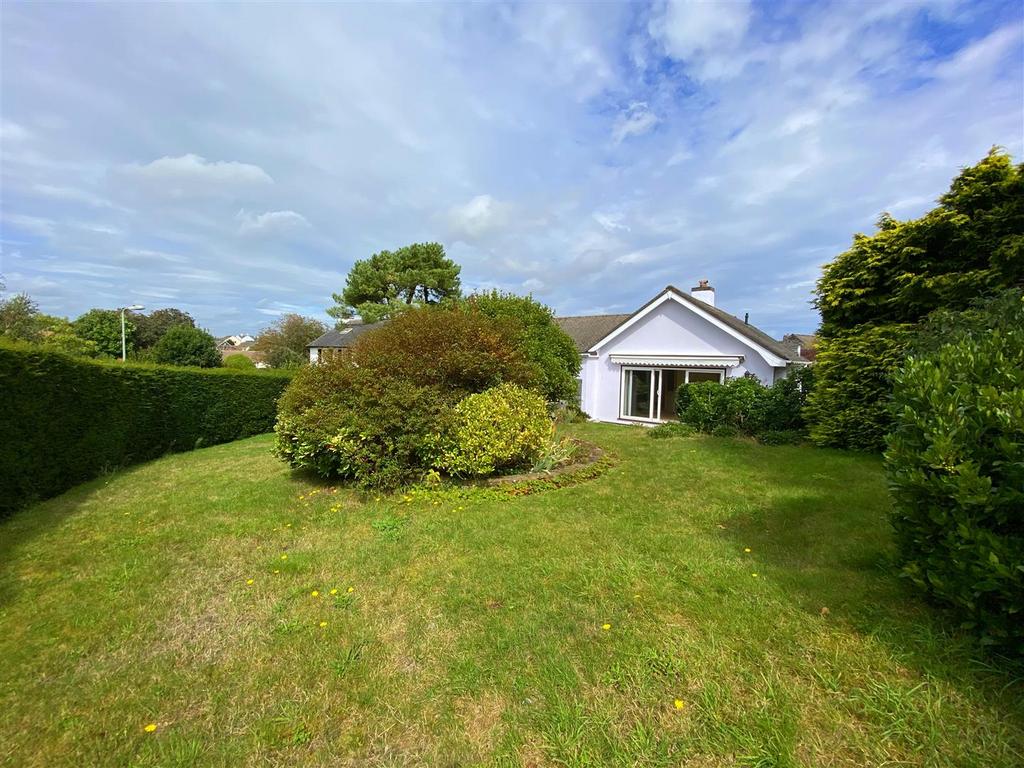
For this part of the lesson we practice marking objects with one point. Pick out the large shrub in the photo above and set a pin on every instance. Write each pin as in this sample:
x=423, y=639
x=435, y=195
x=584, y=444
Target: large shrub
x=745, y=405
x=545, y=344
x=849, y=407
x=238, y=361
x=65, y=420
x=955, y=462
x=872, y=296
x=506, y=427
x=377, y=415
x=187, y=345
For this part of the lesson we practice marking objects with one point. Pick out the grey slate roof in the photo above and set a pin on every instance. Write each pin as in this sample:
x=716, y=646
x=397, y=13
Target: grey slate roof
x=586, y=331
x=345, y=337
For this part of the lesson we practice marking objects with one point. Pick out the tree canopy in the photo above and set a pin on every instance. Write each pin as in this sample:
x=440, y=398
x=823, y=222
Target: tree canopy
x=103, y=328
x=545, y=344
x=187, y=345
x=149, y=328
x=390, y=281
x=873, y=296
x=283, y=344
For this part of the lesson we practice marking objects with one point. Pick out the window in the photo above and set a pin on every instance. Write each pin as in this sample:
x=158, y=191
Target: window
x=648, y=394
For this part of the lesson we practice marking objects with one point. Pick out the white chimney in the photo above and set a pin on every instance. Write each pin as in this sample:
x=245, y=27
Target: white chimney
x=704, y=292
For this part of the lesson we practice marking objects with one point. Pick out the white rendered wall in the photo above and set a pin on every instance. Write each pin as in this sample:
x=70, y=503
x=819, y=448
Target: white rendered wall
x=671, y=329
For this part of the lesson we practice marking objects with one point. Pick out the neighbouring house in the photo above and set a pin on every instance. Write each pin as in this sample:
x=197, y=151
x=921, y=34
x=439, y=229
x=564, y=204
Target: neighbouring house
x=337, y=340
x=632, y=365
x=240, y=344
x=805, y=344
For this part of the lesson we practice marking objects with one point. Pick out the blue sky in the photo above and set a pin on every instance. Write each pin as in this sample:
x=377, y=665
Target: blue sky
x=234, y=160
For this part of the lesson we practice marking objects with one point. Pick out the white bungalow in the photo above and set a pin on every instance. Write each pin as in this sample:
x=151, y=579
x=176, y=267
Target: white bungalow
x=633, y=364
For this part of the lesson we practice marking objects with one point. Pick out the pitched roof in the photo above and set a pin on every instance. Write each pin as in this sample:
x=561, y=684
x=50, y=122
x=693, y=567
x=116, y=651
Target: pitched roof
x=587, y=330
x=343, y=337
x=585, y=342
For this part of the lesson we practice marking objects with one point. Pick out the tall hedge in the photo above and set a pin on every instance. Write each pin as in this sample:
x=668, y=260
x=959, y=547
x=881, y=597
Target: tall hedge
x=64, y=420
x=872, y=296
x=955, y=463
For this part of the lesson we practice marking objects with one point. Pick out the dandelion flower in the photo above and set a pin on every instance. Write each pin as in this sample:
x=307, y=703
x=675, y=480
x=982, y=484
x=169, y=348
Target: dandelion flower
x=315, y=593
x=746, y=549
x=754, y=575
x=249, y=581
x=277, y=570
x=606, y=627
x=323, y=624
x=351, y=590
x=288, y=525
x=284, y=557
x=679, y=703
x=334, y=591
x=150, y=728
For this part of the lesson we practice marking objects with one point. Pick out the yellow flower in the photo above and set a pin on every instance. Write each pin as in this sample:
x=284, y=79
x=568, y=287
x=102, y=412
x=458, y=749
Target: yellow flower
x=249, y=581
x=150, y=728
x=277, y=570
x=679, y=703
x=315, y=593
x=606, y=626
x=301, y=497
x=284, y=557
x=323, y=624
x=334, y=591
x=754, y=575
x=746, y=549
x=288, y=525
x=351, y=589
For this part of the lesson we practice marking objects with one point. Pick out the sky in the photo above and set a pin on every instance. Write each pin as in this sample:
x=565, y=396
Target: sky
x=234, y=160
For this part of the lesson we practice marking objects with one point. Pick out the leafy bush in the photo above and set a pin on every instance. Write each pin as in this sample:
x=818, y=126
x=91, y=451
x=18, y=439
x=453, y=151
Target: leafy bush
x=187, y=345
x=744, y=405
x=65, y=420
x=544, y=343
x=378, y=416
x=872, y=296
x=238, y=361
x=725, y=430
x=557, y=452
x=503, y=428
x=671, y=429
x=955, y=462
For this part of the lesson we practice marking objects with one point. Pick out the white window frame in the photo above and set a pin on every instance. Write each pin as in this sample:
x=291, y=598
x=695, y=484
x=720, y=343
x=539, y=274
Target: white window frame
x=656, y=380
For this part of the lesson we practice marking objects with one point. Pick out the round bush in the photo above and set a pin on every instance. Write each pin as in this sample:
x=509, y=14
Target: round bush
x=239, y=362
x=506, y=427
x=379, y=415
x=955, y=462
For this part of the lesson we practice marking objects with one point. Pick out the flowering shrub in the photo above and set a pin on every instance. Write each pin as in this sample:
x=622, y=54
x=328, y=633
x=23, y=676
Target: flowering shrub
x=506, y=427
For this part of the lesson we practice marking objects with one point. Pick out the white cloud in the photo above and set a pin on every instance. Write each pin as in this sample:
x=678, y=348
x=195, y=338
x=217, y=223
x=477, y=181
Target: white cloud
x=478, y=217
x=704, y=35
x=271, y=222
x=984, y=54
x=194, y=175
x=636, y=120
x=11, y=131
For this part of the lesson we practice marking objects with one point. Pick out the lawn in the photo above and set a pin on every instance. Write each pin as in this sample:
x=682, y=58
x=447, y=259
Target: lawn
x=705, y=602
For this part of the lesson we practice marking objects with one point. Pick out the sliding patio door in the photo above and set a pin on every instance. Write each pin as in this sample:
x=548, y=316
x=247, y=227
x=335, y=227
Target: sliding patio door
x=640, y=393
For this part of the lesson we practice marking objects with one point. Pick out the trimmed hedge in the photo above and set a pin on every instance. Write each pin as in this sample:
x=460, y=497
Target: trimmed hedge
x=65, y=420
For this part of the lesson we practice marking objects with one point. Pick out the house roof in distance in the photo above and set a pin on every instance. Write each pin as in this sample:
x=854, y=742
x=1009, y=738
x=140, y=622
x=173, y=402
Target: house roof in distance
x=587, y=330
x=346, y=336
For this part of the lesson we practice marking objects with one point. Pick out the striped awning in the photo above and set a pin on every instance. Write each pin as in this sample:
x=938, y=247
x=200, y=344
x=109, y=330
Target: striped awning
x=678, y=361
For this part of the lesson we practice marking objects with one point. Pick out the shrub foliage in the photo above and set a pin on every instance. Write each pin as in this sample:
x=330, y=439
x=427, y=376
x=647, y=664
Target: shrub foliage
x=378, y=415
x=65, y=419
x=872, y=296
x=746, y=406
x=955, y=462
x=505, y=427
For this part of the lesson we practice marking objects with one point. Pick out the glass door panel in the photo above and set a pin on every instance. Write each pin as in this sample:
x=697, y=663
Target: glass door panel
x=639, y=393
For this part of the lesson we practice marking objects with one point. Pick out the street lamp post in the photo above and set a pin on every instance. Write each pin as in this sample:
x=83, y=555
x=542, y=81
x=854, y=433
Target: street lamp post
x=124, y=343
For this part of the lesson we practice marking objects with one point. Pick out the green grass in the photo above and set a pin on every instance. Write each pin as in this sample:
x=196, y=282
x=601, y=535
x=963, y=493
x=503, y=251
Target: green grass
x=473, y=632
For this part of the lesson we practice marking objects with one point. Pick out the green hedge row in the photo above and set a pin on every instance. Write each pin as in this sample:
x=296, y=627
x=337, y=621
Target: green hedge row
x=64, y=420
